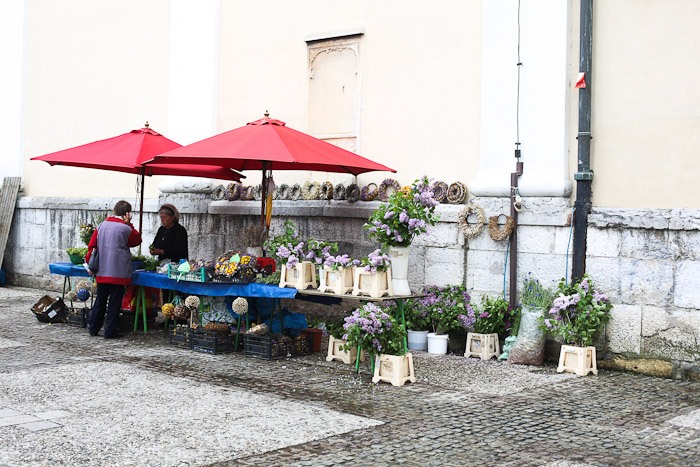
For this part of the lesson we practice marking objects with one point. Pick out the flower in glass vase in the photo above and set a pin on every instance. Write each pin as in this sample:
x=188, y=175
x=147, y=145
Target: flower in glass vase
x=577, y=313
x=407, y=213
x=372, y=329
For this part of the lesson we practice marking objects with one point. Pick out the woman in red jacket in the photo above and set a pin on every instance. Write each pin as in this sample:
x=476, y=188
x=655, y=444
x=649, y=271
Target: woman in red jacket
x=112, y=238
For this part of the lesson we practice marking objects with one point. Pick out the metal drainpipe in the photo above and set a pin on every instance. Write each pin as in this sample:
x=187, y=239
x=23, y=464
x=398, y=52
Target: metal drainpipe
x=584, y=175
x=513, y=286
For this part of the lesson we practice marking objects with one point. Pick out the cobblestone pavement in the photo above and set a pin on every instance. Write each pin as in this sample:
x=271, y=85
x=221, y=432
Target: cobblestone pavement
x=461, y=412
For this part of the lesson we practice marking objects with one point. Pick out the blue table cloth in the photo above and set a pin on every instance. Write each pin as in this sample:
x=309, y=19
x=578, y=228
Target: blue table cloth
x=212, y=289
x=68, y=269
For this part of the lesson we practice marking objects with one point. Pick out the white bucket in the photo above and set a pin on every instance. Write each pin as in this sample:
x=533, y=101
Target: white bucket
x=437, y=343
x=417, y=340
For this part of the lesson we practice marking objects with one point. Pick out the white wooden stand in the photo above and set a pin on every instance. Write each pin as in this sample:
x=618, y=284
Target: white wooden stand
x=394, y=369
x=579, y=360
x=484, y=346
x=301, y=276
x=374, y=285
x=338, y=281
x=335, y=353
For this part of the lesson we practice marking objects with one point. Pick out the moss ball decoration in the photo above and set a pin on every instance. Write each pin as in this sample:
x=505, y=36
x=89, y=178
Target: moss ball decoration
x=83, y=294
x=192, y=302
x=83, y=284
x=168, y=309
x=72, y=295
x=181, y=312
x=240, y=306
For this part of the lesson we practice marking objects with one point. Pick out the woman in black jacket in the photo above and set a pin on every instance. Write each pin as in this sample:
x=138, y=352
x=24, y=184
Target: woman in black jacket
x=171, y=239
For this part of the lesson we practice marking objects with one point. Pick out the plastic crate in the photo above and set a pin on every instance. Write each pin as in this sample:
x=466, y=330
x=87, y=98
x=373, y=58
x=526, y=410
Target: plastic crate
x=211, y=341
x=198, y=275
x=78, y=316
x=273, y=347
x=180, y=336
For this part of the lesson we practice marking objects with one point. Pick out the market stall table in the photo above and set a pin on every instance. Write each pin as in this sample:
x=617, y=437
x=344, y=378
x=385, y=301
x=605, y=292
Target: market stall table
x=212, y=289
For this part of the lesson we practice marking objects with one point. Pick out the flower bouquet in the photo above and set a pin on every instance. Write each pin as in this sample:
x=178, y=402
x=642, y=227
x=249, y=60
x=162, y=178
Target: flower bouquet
x=373, y=330
x=407, y=213
x=577, y=313
x=235, y=267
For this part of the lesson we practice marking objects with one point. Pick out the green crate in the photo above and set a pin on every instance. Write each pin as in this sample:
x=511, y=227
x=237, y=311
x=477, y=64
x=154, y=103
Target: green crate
x=199, y=275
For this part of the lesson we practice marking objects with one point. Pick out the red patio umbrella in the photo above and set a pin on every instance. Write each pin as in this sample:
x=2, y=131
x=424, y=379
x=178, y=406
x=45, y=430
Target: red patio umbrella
x=130, y=153
x=268, y=144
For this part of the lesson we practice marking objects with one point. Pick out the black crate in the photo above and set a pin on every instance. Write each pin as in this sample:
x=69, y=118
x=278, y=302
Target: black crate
x=180, y=337
x=211, y=341
x=273, y=347
x=77, y=316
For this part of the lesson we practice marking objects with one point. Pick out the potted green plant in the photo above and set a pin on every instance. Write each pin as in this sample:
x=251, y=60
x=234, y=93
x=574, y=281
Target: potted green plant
x=576, y=317
x=77, y=254
x=407, y=213
x=417, y=324
x=536, y=299
x=374, y=330
x=445, y=305
x=494, y=318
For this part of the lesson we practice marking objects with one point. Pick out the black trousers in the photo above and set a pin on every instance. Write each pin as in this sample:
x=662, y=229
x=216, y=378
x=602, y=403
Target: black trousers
x=106, y=309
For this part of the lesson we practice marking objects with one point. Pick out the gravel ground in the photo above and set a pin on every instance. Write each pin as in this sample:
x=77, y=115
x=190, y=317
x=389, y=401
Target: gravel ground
x=69, y=399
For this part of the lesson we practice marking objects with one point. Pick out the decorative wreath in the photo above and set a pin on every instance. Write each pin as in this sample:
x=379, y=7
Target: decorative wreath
x=326, y=190
x=388, y=183
x=498, y=234
x=295, y=192
x=369, y=192
x=467, y=229
x=311, y=190
x=218, y=193
x=247, y=193
x=339, y=192
x=233, y=191
x=283, y=191
x=439, y=190
x=457, y=193
x=352, y=193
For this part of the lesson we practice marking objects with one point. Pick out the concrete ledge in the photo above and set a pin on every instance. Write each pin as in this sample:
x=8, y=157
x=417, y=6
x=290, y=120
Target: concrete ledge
x=644, y=366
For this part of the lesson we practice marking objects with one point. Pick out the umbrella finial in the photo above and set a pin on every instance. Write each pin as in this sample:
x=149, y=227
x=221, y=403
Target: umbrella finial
x=146, y=125
x=267, y=113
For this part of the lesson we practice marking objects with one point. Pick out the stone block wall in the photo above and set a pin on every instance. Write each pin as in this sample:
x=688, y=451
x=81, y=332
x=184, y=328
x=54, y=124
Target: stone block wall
x=647, y=261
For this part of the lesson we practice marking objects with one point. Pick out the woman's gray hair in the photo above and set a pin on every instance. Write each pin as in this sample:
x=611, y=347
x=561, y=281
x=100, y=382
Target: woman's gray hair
x=170, y=209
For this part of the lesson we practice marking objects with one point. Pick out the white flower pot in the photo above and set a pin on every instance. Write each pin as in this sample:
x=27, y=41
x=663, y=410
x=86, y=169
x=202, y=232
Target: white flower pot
x=394, y=369
x=374, y=285
x=338, y=281
x=437, y=343
x=301, y=276
x=484, y=346
x=418, y=340
x=579, y=360
x=399, y=269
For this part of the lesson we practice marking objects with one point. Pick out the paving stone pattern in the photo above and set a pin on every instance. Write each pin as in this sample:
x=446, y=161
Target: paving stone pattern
x=460, y=412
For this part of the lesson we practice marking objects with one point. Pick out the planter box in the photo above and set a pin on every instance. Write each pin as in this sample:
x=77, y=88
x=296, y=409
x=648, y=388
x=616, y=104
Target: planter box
x=340, y=281
x=374, y=285
x=579, y=360
x=301, y=276
x=394, y=369
x=484, y=346
x=335, y=353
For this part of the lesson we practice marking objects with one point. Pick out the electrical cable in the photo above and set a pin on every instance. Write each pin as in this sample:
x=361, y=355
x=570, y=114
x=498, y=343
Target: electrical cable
x=505, y=269
x=517, y=99
x=568, y=245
